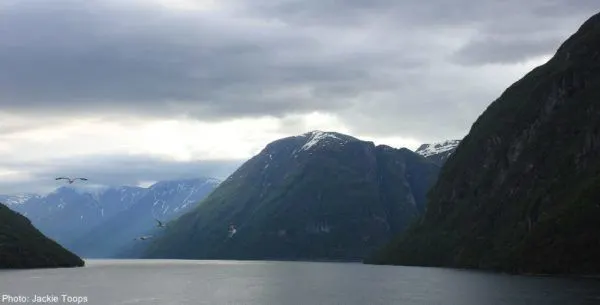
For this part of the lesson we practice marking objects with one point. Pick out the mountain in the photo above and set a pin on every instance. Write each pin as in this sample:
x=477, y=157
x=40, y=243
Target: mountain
x=320, y=195
x=438, y=153
x=23, y=246
x=70, y=211
x=96, y=221
x=521, y=193
x=165, y=201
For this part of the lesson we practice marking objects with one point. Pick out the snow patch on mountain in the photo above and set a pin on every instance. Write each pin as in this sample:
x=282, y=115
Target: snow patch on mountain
x=317, y=136
x=62, y=204
x=427, y=150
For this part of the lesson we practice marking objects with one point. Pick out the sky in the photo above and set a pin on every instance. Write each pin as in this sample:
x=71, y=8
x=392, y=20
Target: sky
x=126, y=92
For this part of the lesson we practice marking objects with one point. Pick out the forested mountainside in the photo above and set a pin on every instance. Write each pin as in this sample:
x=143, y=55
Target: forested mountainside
x=522, y=191
x=23, y=246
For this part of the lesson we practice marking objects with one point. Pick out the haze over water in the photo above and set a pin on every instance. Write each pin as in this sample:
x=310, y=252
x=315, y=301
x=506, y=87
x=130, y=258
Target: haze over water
x=233, y=282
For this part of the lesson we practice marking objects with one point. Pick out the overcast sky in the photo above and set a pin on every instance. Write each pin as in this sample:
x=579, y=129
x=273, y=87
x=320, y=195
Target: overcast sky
x=131, y=91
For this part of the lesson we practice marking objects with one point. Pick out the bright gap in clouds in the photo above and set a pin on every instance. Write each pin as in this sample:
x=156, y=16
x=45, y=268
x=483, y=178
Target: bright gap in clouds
x=180, y=140
x=187, y=5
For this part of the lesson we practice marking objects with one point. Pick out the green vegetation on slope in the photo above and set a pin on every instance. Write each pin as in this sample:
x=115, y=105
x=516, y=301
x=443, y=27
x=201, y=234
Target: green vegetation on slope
x=23, y=246
x=339, y=201
x=522, y=191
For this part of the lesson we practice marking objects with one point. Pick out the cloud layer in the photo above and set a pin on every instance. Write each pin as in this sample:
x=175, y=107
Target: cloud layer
x=110, y=170
x=384, y=68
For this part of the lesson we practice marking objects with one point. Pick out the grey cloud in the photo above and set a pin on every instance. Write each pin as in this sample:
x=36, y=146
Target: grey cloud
x=411, y=13
x=523, y=22
x=111, y=170
x=434, y=117
x=515, y=37
x=493, y=50
x=269, y=57
x=351, y=12
x=85, y=59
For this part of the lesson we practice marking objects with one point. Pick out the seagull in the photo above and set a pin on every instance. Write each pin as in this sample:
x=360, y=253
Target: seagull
x=143, y=237
x=160, y=224
x=232, y=230
x=71, y=180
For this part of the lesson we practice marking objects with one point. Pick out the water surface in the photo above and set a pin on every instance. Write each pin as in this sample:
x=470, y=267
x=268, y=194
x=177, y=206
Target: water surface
x=166, y=282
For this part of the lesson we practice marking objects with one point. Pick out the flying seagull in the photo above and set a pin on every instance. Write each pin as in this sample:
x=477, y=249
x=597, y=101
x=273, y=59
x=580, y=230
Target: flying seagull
x=143, y=237
x=71, y=180
x=232, y=230
x=160, y=224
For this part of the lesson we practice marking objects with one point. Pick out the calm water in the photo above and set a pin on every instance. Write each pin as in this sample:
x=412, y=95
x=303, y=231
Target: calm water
x=229, y=282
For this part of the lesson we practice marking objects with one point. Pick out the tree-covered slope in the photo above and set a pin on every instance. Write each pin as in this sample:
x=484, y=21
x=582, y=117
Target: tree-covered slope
x=522, y=191
x=315, y=196
x=23, y=246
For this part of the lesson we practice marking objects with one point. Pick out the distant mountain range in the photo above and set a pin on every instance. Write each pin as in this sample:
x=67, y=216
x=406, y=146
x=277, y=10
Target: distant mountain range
x=521, y=194
x=163, y=201
x=439, y=152
x=320, y=195
x=99, y=222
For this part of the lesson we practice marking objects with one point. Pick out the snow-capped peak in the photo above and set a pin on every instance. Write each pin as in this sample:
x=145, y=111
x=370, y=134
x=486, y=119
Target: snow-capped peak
x=427, y=150
x=314, y=137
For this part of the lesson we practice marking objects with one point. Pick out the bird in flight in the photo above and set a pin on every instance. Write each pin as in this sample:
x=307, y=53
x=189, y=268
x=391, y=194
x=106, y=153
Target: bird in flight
x=232, y=230
x=143, y=237
x=71, y=180
x=160, y=224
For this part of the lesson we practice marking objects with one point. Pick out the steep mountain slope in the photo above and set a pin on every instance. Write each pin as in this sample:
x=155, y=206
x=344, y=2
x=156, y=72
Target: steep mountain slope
x=23, y=246
x=522, y=192
x=321, y=195
x=165, y=201
x=438, y=153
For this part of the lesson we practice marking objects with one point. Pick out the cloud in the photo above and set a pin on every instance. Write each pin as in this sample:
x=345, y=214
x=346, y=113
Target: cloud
x=115, y=170
x=204, y=80
x=245, y=58
x=99, y=56
x=494, y=50
x=132, y=152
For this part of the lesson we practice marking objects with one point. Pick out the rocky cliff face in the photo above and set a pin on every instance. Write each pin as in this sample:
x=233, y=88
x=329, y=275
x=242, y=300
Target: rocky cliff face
x=321, y=195
x=521, y=193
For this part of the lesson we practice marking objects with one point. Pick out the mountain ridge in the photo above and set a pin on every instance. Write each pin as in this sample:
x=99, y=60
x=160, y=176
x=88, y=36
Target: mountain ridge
x=321, y=195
